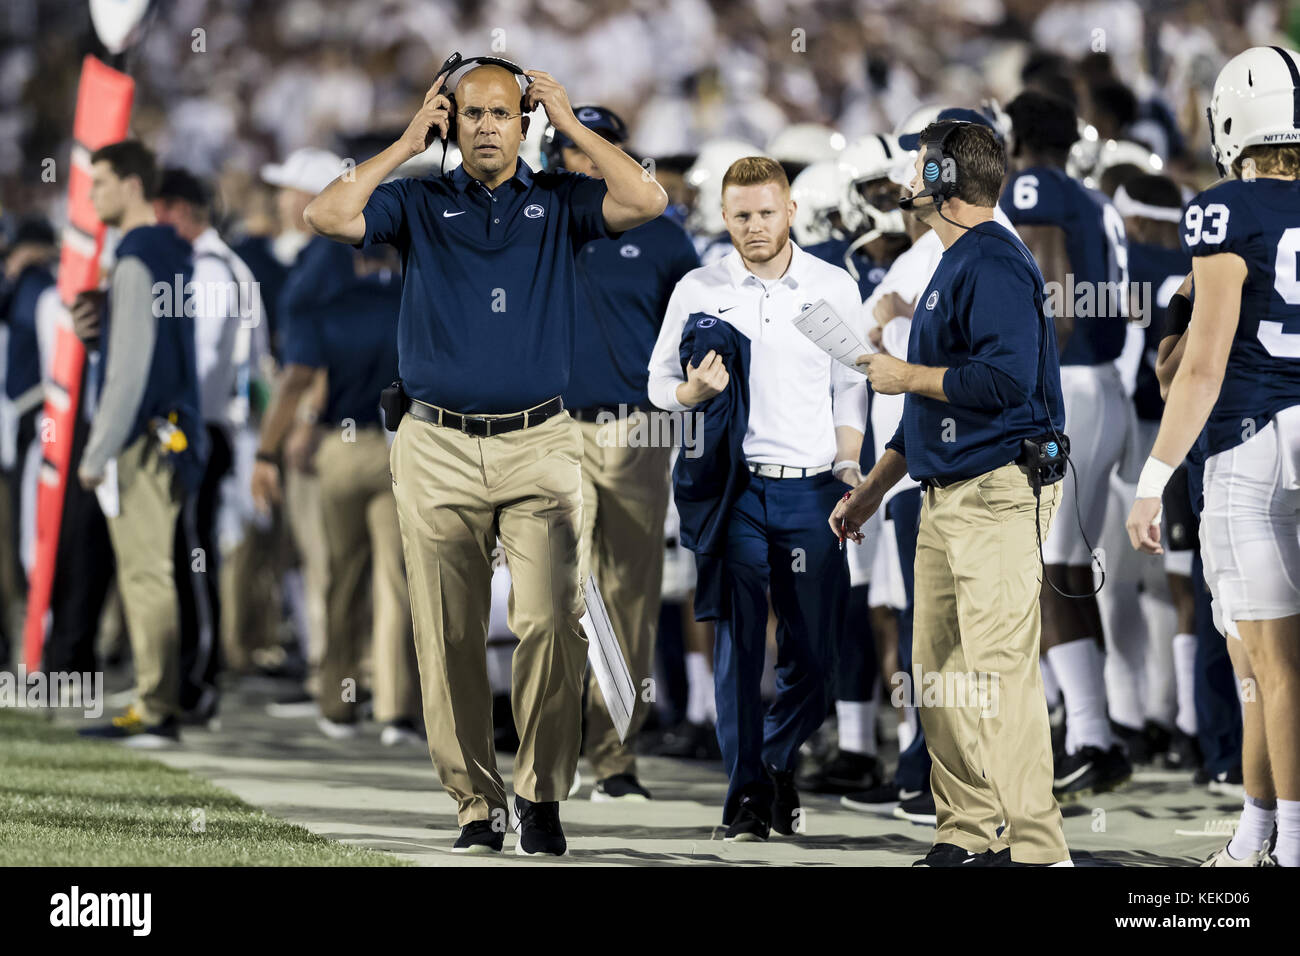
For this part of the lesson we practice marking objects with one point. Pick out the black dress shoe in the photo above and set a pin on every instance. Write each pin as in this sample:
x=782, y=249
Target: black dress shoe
x=949, y=854
x=787, y=817
x=539, y=829
x=479, y=837
x=750, y=825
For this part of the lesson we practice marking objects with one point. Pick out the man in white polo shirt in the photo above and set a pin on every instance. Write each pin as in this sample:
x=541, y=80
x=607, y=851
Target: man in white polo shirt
x=801, y=441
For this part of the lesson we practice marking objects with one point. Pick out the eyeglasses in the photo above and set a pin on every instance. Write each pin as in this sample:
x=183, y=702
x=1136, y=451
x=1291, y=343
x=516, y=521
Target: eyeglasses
x=475, y=114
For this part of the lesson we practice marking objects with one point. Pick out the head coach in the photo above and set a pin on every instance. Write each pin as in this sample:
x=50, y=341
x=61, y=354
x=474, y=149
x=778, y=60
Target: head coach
x=485, y=344
x=982, y=432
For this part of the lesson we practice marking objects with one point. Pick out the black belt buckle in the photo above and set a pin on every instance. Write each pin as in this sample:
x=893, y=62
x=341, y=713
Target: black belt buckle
x=478, y=422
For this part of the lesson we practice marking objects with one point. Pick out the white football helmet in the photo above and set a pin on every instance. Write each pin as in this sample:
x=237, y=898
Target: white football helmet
x=1256, y=101
x=816, y=192
x=805, y=143
x=705, y=177
x=868, y=158
x=913, y=124
x=1120, y=152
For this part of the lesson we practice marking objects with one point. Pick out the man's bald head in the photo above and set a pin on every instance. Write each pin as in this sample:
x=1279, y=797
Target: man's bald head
x=489, y=145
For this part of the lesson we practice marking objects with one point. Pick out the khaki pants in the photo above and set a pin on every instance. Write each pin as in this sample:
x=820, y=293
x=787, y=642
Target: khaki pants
x=456, y=495
x=143, y=536
x=624, y=501
x=976, y=614
x=360, y=522
x=302, y=510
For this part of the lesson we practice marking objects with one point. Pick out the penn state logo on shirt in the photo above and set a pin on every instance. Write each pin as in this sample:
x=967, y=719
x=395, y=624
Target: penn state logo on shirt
x=932, y=301
x=876, y=275
x=629, y=251
x=533, y=211
x=706, y=323
x=588, y=115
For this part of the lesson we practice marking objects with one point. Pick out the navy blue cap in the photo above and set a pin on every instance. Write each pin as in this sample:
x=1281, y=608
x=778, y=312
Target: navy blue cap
x=604, y=121
x=912, y=141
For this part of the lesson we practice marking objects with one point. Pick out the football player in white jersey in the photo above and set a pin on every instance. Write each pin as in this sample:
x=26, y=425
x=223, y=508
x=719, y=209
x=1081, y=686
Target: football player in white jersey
x=1239, y=379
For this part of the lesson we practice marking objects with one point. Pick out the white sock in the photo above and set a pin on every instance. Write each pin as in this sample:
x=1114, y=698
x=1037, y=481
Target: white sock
x=1050, y=685
x=907, y=729
x=1288, y=833
x=857, y=726
x=1255, y=827
x=1080, y=667
x=1160, y=694
x=700, y=707
x=1185, y=676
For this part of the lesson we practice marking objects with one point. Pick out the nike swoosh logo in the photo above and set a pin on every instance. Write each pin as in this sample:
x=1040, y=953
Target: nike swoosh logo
x=1066, y=781
x=727, y=309
x=448, y=215
x=908, y=795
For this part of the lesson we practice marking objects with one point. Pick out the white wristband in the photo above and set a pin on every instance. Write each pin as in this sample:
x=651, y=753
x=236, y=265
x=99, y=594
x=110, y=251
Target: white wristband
x=842, y=465
x=1155, y=475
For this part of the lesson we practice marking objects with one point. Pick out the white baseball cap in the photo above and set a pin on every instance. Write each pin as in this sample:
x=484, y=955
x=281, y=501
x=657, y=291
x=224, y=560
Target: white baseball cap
x=308, y=169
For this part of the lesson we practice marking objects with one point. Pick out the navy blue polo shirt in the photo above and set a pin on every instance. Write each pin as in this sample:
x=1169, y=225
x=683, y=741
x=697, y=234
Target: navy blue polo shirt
x=489, y=285
x=341, y=316
x=982, y=317
x=623, y=289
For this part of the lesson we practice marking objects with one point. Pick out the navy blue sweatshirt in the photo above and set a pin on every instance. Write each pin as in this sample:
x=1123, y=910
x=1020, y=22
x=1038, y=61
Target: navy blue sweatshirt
x=981, y=317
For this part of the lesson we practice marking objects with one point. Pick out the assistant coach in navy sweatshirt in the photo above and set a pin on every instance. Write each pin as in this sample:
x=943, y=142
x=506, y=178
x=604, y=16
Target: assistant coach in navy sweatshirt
x=982, y=377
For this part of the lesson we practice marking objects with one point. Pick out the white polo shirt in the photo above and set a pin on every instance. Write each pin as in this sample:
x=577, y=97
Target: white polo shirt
x=798, y=394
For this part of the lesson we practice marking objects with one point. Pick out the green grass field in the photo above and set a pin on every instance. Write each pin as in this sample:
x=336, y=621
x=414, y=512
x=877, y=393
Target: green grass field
x=67, y=801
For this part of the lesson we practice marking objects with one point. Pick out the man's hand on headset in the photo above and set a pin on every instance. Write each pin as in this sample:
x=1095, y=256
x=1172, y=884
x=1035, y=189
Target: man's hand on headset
x=545, y=91
x=432, y=117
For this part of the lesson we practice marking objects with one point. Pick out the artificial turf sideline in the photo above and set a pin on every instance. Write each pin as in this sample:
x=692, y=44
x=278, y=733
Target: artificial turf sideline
x=65, y=801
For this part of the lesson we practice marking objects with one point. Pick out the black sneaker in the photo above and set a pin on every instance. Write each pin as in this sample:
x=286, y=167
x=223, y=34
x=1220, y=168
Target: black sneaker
x=881, y=799
x=1090, y=770
x=787, y=817
x=1228, y=783
x=919, y=809
x=688, y=741
x=1158, y=740
x=948, y=854
x=1184, y=753
x=1141, y=746
x=749, y=826
x=131, y=729
x=847, y=772
x=623, y=787
x=539, y=829
x=205, y=712
x=478, y=838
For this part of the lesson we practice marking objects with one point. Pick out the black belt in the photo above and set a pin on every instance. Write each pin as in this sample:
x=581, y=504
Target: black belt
x=591, y=413
x=483, y=426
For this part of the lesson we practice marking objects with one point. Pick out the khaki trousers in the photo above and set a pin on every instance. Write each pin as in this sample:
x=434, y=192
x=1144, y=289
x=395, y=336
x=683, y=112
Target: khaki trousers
x=975, y=665
x=143, y=535
x=359, y=516
x=302, y=510
x=624, y=502
x=456, y=494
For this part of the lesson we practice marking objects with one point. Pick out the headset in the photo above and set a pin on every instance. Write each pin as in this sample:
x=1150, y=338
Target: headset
x=451, y=65
x=1047, y=460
